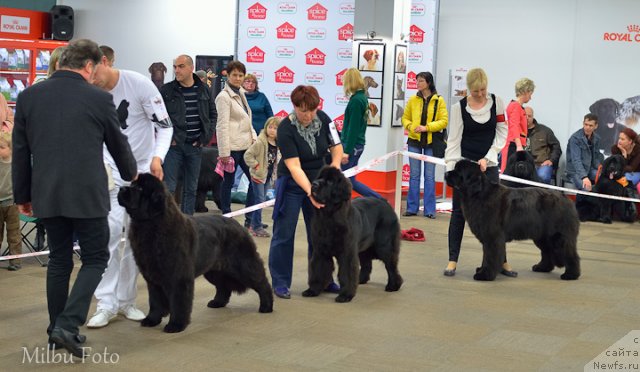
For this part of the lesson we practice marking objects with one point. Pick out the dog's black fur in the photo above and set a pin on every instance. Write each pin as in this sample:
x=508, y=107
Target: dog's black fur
x=601, y=209
x=354, y=232
x=522, y=165
x=172, y=249
x=208, y=181
x=498, y=214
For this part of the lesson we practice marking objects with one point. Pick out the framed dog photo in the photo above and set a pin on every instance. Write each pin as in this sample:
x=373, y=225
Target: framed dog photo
x=371, y=56
x=398, y=111
x=399, y=85
x=372, y=84
x=401, y=59
x=373, y=116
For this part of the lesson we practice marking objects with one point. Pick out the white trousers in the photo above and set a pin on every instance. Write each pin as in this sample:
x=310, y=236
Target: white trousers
x=117, y=288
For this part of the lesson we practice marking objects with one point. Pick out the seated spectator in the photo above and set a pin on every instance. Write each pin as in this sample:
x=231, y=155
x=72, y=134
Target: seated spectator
x=627, y=146
x=543, y=146
x=583, y=157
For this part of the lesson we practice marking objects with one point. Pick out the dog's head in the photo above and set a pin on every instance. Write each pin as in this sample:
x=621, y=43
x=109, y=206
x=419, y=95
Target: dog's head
x=613, y=167
x=468, y=178
x=145, y=198
x=331, y=188
x=521, y=164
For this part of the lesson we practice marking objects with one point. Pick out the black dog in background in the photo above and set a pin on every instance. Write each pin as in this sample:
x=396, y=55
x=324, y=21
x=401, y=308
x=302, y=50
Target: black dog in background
x=208, y=181
x=522, y=165
x=354, y=232
x=610, y=182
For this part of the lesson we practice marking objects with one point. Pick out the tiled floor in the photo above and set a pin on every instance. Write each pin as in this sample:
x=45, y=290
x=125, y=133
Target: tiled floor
x=434, y=323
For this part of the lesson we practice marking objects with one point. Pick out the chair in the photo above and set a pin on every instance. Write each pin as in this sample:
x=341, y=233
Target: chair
x=37, y=243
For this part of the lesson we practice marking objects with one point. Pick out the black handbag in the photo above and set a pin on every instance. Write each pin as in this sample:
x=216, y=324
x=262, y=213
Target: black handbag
x=438, y=139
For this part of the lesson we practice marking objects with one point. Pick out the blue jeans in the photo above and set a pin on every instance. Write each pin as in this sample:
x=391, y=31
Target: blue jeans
x=259, y=197
x=577, y=181
x=358, y=187
x=545, y=172
x=284, y=232
x=413, y=195
x=229, y=179
x=633, y=177
x=184, y=158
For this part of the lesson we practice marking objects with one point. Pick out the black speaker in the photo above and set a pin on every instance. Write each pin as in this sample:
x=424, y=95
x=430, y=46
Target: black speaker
x=61, y=22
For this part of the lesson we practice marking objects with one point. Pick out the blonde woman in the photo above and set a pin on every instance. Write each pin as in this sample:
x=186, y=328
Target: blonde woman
x=517, y=120
x=355, y=127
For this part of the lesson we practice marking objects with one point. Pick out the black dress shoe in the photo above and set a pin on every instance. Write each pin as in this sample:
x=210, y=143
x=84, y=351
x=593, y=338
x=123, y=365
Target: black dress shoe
x=509, y=273
x=409, y=214
x=67, y=340
x=80, y=338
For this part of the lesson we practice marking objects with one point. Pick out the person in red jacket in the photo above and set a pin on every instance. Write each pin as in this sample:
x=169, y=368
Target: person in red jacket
x=517, y=120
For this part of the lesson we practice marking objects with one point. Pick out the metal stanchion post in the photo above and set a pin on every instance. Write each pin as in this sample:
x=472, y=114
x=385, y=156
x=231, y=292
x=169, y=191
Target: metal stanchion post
x=398, y=194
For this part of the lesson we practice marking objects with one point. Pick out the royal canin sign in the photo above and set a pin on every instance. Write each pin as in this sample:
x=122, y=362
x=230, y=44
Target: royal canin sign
x=317, y=13
x=286, y=31
x=345, y=32
x=632, y=35
x=315, y=57
x=257, y=11
x=284, y=75
x=255, y=55
x=416, y=34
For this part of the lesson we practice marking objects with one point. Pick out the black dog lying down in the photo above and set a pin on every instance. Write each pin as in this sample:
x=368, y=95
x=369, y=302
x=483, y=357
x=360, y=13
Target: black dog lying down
x=522, y=165
x=172, y=249
x=611, y=182
x=498, y=214
x=354, y=232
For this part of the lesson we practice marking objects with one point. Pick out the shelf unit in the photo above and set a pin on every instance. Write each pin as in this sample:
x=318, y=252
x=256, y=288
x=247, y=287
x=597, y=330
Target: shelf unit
x=23, y=62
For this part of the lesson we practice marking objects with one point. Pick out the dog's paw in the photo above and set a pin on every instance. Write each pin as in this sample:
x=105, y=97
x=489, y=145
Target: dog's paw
x=364, y=280
x=395, y=285
x=606, y=220
x=150, y=322
x=569, y=276
x=174, y=327
x=266, y=308
x=310, y=293
x=202, y=210
x=483, y=275
x=214, y=304
x=541, y=269
x=344, y=298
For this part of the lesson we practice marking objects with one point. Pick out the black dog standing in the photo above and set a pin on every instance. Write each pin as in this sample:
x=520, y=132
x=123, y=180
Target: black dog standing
x=354, y=232
x=172, y=249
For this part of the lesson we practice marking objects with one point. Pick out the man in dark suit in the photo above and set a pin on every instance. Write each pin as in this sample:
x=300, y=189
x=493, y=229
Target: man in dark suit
x=59, y=176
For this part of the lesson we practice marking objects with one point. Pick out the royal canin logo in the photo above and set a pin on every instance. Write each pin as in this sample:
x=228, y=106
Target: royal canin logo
x=416, y=34
x=341, y=100
x=258, y=74
x=285, y=52
x=339, y=77
x=281, y=114
x=347, y=8
x=321, y=104
x=257, y=11
x=256, y=32
x=406, y=173
x=417, y=9
x=286, y=31
x=316, y=33
x=632, y=35
x=339, y=122
x=412, y=82
x=315, y=57
x=314, y=78
x=287, y=8
x=282, y=96
x=415, y=56
x=255, y=55
x=345, y=32
x=344, y=54
x=284, y=75
x=317, y=13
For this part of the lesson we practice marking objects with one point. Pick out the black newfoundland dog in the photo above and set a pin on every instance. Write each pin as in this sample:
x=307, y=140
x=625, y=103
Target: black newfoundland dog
x=172, y=249
x=354, y=232
x=611, y=182
x=522, y=165
x=498, y=214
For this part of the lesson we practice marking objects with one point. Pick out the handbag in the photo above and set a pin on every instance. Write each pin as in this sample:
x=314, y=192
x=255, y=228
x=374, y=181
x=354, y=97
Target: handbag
x=438, y=139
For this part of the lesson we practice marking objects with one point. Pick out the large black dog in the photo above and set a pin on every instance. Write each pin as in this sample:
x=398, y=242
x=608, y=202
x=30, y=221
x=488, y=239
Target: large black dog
x=354, y=233
x=611, y=182
x=522, y=165
x=172, y=249
x=498, y=214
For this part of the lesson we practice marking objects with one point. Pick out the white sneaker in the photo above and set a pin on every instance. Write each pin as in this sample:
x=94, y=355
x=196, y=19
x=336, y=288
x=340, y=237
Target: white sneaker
x=100, y=319
x=132, y=313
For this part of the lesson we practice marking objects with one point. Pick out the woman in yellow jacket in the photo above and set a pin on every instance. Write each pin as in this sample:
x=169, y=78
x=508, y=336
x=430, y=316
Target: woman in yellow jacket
x=426, y=113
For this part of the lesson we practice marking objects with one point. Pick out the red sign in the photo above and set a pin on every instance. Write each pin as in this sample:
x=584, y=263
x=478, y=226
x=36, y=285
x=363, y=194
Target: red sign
x=257, y=11
x=315, y=57
x=406, y=173
x=24, y=24
x=321, y=104
x=317, y=13
x=345, y=32
x=412, y=82
x=633, y=35
x=286, y=31
x=339, y=122
x=255, y=55
x=281, y=114
x=416, y=34
x=284, y=75
x=339, y=77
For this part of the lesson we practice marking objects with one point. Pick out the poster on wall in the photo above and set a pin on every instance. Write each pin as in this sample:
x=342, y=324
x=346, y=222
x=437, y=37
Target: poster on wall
x=457, y=85
x=290, y=43
x=401, y=59
x=371, y=56
x=398, y=111
x=372, y=83
x=370, y=63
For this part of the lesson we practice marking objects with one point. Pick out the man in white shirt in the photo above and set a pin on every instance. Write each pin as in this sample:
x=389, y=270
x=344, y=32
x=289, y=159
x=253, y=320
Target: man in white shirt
x=144, y=120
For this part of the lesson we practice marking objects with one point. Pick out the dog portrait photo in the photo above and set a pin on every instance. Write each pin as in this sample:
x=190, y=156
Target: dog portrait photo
x=398, y=111
x=610, y=181
x=372, y=84
x=498, y=214
x=401, y=59
x=522, y=165
x=172, y=249
x=607, y=110
x=354, y=232
x=373, y=114
x=370, y=56
x=399, y=87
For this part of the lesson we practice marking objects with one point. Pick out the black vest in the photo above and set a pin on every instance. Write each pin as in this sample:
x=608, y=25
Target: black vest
x=477, y=138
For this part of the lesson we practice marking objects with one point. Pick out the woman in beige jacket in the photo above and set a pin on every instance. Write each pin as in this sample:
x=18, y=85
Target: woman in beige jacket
x=235, y=133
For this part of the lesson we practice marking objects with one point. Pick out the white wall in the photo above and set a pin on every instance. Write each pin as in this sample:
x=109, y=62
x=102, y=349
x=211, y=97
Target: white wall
x=146, y=31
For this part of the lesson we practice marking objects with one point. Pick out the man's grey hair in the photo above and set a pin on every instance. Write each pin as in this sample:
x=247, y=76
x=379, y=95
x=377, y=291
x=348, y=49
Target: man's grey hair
x=80, y=52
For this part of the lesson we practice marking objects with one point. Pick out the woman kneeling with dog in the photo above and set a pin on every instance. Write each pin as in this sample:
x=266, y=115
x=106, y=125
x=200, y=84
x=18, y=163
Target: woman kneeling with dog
x=304, y=137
